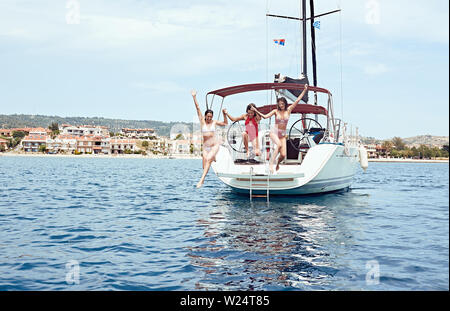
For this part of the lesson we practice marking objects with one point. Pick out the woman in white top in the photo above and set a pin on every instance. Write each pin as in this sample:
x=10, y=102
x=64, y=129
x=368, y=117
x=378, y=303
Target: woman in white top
x=210, y=142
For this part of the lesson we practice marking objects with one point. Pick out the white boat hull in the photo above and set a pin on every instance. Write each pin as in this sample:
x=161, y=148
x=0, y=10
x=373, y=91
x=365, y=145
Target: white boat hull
x=326, y=168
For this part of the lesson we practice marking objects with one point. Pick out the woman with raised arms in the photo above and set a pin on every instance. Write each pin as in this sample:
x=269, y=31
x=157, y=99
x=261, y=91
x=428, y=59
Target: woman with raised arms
x=210, y=143
x=251, y=128
x=278, y=134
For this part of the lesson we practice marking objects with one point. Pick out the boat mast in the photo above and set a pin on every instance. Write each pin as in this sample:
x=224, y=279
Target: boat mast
x=303, y=19
x=313, y=49
x=304, y=67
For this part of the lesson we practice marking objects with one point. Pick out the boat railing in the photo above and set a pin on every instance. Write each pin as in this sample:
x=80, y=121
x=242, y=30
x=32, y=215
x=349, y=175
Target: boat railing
x=235, y=144
x=346, y=133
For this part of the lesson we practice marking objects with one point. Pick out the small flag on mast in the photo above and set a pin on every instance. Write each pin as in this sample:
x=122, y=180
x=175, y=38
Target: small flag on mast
x=317, y=24
x=279, y=41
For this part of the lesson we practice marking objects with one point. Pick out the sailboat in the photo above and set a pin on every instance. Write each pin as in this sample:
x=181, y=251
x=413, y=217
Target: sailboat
x=322, y=154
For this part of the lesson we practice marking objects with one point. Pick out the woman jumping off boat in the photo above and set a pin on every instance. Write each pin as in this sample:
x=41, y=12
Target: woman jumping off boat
x=210, y=143
x=278, y=134
x=251, y=128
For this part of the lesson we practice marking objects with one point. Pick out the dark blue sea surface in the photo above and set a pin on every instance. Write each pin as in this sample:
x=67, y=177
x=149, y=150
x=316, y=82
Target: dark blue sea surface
x=140, y=224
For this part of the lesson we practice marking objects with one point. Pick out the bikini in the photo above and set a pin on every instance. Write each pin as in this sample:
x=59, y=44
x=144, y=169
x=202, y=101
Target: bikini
x=206, y=130
x=280, y=132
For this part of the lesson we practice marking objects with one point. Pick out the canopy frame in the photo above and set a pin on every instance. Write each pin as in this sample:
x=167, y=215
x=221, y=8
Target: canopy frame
x=300, y=109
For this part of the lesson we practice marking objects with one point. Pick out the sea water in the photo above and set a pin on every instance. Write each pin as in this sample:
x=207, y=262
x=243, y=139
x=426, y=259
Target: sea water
x=140, y=224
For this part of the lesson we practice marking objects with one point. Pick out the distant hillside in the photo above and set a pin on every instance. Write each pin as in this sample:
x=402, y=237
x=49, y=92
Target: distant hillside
x=427, y=140
x=163, y=128
x=114, y=125
x=371, y=141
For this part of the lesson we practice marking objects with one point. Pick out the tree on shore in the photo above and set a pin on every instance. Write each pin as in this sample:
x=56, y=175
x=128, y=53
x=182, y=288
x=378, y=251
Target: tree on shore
x=398, y=143
x=445, y=148
x=397, y=148
x=54, y=127
x=17, y=138
x=387, y=145
x=18, y=134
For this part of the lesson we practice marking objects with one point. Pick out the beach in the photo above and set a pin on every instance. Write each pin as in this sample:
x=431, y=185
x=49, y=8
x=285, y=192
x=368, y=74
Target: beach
x=103, y=156
x=410, y=160
x=188, y=156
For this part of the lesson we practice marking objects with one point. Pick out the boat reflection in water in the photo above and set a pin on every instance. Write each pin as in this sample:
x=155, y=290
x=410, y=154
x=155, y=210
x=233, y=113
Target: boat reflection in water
x=289, y=243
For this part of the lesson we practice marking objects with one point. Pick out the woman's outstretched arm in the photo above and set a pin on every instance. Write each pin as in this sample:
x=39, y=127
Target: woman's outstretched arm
x=199, y=112
x=265, y=116
x=236, y=119
x=291, y=107
x=225, y=119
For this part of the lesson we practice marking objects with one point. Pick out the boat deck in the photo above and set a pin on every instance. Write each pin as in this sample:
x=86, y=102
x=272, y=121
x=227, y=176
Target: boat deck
x=255, y=162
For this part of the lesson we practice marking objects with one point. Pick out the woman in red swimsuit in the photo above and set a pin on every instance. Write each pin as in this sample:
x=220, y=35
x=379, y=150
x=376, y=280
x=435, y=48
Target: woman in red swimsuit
x=278, y=134
x=251, y=128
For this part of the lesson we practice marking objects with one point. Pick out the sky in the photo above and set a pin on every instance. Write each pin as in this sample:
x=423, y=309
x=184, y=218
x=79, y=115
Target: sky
x=386, y=62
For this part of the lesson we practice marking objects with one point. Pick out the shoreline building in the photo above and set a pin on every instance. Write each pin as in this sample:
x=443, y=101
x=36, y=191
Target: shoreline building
x=84, y=130
x=62, y=143
x=119, y=146
x=138, y=133
x=85, y=144
x=4, y=144
x=33, y=141
x=26, y=130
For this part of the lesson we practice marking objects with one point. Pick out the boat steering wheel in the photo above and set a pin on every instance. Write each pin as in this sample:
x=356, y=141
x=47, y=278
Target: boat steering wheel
x=300, y=131
x=234, y=137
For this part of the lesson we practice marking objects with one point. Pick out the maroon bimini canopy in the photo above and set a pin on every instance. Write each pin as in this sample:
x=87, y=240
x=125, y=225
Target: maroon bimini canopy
x=264, y=86
x=300, y=108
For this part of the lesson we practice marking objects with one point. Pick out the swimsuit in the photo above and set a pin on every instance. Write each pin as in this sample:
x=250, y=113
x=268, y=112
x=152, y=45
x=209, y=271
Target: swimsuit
x=280, y=132
x=251, y=128
x=206, y=130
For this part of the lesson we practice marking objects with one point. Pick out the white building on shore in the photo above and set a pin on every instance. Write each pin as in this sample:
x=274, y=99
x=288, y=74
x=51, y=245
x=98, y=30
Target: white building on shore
x=62, y=143
x=32, y=142
x=138, y=133
x=119, y=146
x=84, y=130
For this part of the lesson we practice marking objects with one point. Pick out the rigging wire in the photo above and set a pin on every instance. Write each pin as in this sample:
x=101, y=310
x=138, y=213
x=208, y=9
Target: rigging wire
x=267, y=49
x=292, y=52
x=300, y=29
x=340, y=60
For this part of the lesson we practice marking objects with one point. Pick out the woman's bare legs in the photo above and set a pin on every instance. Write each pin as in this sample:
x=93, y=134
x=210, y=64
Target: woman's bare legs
x=245, y=138
x=205, y=171
x=208, y=158
x=205, y=154
x=277, y=142
x=282, y=152
x=255, y=144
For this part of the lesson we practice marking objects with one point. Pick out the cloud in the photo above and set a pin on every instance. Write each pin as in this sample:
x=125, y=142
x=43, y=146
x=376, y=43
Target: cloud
x=376, y=69
x=159, y=86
